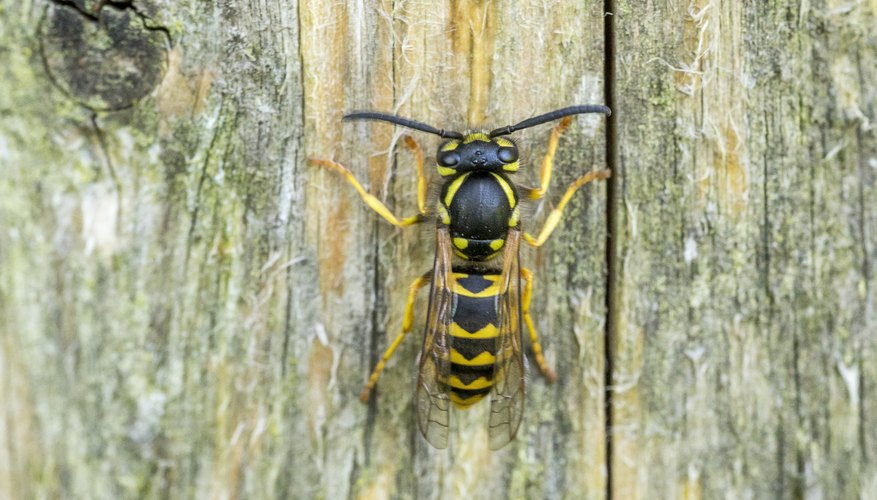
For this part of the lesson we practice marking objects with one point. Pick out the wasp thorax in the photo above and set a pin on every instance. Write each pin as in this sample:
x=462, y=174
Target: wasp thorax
x=477, y=152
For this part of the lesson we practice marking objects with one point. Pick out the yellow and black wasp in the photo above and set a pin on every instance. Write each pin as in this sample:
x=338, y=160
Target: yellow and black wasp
x=472, y=343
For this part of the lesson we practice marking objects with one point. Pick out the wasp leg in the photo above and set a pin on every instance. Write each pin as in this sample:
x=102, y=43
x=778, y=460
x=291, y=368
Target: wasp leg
x=421, y=177
x=548, y=161
x=407, y=321
x=556, y=214
x=534, y=337
x=373, y=203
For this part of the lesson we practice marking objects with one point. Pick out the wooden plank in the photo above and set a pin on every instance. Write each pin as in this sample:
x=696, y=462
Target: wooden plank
x=746, y=346
x=189, y=309
x=459, y=67
x=152, y=282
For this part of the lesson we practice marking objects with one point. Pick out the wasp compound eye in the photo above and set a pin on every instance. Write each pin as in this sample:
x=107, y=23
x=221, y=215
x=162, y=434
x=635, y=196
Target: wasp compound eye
x=449, y=158
x=507, y=154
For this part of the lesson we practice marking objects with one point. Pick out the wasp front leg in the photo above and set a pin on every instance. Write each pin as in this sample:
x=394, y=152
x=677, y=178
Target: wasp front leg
x=548, y=161
x=546, y=370
x=407, y=322
x=376, y=204
x=421, y=176
x=555, y=216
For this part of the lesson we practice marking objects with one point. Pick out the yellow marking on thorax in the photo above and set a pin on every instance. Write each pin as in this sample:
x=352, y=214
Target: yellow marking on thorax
x=515, y=218
x=495, y=245
x=507, y=188
x=488, y=332
x=455, y=185
x=461, y=243
x=485, y=358
x=445, y=171
x=489, y=277
x=444, y=215
x=466, y=257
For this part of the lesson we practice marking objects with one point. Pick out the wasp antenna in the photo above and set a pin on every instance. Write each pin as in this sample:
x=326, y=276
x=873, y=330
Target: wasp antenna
x=404, y=122
x=551, y=116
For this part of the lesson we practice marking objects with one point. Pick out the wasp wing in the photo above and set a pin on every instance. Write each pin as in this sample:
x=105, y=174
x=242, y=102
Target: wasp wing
x=433, y=403
x=507, y=398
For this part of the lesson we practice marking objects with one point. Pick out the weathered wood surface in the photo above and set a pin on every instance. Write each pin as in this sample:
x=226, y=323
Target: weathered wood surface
x=188, y=309
x=745, y=358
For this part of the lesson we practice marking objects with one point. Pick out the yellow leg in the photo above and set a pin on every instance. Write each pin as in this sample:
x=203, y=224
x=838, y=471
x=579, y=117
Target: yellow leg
x=556, y=214
x=407, y=321
x=548, y=160
x=421, y=177
x=373, y=203
x=534, y=337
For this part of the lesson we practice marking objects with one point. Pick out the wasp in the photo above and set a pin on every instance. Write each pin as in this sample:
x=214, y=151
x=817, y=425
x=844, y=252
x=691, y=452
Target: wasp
x=472, y=342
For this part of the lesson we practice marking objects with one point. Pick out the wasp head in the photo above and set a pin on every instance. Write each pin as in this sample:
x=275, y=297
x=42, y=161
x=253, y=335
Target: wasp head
x=477, y=151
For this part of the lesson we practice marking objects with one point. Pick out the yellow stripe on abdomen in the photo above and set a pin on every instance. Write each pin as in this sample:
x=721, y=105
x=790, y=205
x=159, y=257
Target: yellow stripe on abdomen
x=483, y=359
x=464, y=403
x=488, y=332
x=488, y=283
x=479, y=383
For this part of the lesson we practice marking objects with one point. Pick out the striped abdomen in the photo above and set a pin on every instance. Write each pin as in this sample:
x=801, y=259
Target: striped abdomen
x=474, y=330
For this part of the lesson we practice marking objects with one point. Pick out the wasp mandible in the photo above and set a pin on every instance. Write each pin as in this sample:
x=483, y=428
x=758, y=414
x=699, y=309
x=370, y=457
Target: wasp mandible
x=472, y=343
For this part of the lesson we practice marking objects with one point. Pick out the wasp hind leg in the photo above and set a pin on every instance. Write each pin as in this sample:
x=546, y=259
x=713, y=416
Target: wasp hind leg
x=373, y=202
x=407, y=322
x=546, y=370
x=554, y=217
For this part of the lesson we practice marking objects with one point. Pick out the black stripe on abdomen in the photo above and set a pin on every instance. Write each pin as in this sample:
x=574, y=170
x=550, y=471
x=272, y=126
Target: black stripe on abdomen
x=474, y=331
x=474, y=313
x=468, y=374
x=469, y=393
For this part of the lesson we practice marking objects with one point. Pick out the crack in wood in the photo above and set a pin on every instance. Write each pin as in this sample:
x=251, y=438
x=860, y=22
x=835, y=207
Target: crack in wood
x=612, y=226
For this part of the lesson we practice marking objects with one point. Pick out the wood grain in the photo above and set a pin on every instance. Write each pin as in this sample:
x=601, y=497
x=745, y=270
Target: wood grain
x=746, y=347
x=188, y=309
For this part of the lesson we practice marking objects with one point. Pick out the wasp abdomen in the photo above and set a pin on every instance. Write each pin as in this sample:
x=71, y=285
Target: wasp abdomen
x=474, y=332
x=479, y=207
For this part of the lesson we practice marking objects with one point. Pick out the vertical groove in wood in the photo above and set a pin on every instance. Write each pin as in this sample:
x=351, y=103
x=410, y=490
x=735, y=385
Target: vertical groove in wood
x=612, y=230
